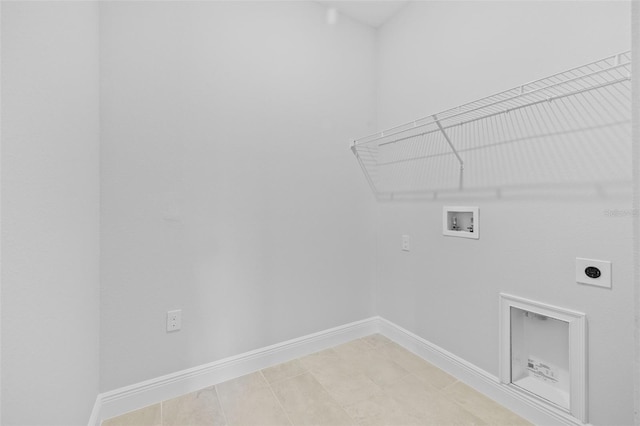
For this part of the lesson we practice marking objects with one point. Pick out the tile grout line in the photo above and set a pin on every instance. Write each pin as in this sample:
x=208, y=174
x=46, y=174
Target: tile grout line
x=412, y=373
x=439, y=391
x=462, y=406
x=333, y=399
x=308, y=371
x=371, y=348
x=224, y=415
x=286, y=378
x=277, y=399
x=368, y=347
x=449, y=385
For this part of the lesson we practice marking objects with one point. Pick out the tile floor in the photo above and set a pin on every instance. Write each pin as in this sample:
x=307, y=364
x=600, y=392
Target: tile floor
x=368, y=381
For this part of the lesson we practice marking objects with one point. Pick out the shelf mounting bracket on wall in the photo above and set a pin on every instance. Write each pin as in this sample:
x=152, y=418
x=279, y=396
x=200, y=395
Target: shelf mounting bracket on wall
x=363, y=166
x=453, y=148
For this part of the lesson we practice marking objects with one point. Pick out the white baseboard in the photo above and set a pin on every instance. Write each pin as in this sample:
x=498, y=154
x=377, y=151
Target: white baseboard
x=129, y=398
x=534, y=411
x=120, y=401
x=94, y=420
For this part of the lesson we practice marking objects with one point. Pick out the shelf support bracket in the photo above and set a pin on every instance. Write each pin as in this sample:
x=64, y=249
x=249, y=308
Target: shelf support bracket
x=453, y=148
x=354, y=149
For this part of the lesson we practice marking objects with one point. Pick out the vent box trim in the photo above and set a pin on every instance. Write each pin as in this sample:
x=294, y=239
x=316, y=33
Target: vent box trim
x=543, y=354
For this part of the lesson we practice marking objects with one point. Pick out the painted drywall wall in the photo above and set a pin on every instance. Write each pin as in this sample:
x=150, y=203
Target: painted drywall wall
x=228, y=188
x=50, y=212
x=435, y=55
x=635, y=45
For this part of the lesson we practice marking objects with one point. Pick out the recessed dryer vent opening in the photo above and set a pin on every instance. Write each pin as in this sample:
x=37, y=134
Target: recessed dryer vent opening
x=542, y=354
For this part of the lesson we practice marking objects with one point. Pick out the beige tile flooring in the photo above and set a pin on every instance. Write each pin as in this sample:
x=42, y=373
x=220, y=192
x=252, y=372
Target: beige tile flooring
x=368, y=381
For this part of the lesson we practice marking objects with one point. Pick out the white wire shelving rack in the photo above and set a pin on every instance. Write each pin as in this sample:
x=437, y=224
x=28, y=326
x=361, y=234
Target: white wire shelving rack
x=570, y=128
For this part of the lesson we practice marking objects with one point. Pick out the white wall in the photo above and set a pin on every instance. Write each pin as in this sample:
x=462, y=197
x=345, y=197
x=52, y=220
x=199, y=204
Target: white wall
x=635, y=44
x=50, y=210
x=228, y=189
x=229, y=192
x=435, y=55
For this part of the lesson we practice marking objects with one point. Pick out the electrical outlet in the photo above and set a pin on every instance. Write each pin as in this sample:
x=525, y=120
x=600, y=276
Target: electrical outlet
x=593, y=272
x=406, y=243
x=174, y=320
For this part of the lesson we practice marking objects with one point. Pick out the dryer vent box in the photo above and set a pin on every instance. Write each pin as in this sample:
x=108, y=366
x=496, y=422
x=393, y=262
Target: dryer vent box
x=543, y=354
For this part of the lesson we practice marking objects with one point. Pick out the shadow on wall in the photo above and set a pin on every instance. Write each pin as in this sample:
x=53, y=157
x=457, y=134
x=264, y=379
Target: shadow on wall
x=569, y=133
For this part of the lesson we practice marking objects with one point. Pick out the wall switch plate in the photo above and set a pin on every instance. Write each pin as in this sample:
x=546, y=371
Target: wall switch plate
x=593, y=272
x=174, y=320
x=406, y=243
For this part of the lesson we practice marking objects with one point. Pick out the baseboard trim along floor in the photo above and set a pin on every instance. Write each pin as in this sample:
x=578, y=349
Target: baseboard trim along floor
x=529, y=408
x=119, y=401
x=125, y=399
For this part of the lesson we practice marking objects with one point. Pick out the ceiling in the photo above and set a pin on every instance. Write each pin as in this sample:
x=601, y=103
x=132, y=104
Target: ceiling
x=373, y=13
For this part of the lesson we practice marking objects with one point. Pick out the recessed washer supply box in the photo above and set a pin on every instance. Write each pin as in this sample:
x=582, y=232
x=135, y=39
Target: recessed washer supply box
x=461, y=221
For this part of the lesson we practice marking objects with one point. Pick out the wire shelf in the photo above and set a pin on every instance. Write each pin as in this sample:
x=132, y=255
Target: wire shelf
x=572, y=127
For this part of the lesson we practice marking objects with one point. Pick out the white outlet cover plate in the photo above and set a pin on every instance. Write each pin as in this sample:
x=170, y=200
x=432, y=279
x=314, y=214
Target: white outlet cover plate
x=174, y=320
x=604, y=280
x=406, y=243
